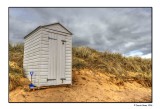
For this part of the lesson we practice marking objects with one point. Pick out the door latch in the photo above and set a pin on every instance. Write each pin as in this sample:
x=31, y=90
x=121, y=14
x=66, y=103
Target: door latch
x=63, y=41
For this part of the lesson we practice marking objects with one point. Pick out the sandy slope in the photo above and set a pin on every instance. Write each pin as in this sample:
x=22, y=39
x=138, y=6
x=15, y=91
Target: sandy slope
x=87, y=86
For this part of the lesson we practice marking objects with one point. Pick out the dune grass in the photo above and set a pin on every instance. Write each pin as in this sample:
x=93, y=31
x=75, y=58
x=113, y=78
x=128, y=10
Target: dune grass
x=123, y=68
x=114, y=63
x=16, y=73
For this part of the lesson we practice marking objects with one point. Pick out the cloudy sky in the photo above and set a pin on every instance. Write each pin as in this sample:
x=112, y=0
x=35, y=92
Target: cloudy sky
x=123, y=30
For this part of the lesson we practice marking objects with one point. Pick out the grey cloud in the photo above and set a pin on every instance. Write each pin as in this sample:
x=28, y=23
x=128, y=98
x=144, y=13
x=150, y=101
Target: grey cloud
x=116, y=29
x=79, y=41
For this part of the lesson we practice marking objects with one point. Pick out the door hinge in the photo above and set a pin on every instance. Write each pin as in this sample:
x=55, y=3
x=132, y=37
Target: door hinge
x=52, y=38
x=50, y=79
x=63, y=79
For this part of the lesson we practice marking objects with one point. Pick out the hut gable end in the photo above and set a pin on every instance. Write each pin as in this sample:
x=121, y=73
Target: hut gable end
x=57, y=27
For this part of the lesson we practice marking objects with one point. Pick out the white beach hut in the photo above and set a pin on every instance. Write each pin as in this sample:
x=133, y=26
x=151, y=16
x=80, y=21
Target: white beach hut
x=48, y=54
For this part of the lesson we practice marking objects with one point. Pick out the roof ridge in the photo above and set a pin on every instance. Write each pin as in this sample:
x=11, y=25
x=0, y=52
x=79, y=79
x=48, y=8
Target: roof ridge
x=46, y=26
x=59, y=24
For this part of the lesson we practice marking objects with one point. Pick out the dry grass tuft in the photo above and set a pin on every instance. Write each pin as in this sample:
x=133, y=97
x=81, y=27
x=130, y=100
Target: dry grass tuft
x=114, y=63
x=16, y=73
x=87, y=58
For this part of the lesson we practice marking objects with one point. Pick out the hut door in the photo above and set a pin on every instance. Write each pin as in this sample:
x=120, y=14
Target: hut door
x=53, y=44
x=56, y=59
x=61, y=60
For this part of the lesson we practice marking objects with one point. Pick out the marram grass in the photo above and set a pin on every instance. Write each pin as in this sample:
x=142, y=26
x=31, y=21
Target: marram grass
x=123, y=68
x=114, y=63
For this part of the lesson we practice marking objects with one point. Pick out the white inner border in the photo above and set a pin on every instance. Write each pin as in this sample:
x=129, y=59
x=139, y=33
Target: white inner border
x=68, y=3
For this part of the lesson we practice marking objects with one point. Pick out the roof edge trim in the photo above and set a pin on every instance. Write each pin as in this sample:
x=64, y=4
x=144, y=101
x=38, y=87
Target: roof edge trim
x=39, y=27
x=33, y=31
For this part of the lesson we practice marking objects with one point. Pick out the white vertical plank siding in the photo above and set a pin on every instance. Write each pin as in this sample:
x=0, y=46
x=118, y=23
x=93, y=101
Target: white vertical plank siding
x=63, y=61
x=52, y=58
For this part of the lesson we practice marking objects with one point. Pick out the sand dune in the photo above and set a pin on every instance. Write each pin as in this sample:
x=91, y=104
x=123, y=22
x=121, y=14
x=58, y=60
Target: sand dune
x=88, y=86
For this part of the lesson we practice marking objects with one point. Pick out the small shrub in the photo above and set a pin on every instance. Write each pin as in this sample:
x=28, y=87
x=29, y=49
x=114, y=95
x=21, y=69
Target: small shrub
x=14, y=81
x=82, y=52
x=79, y=63
x=16, y=54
